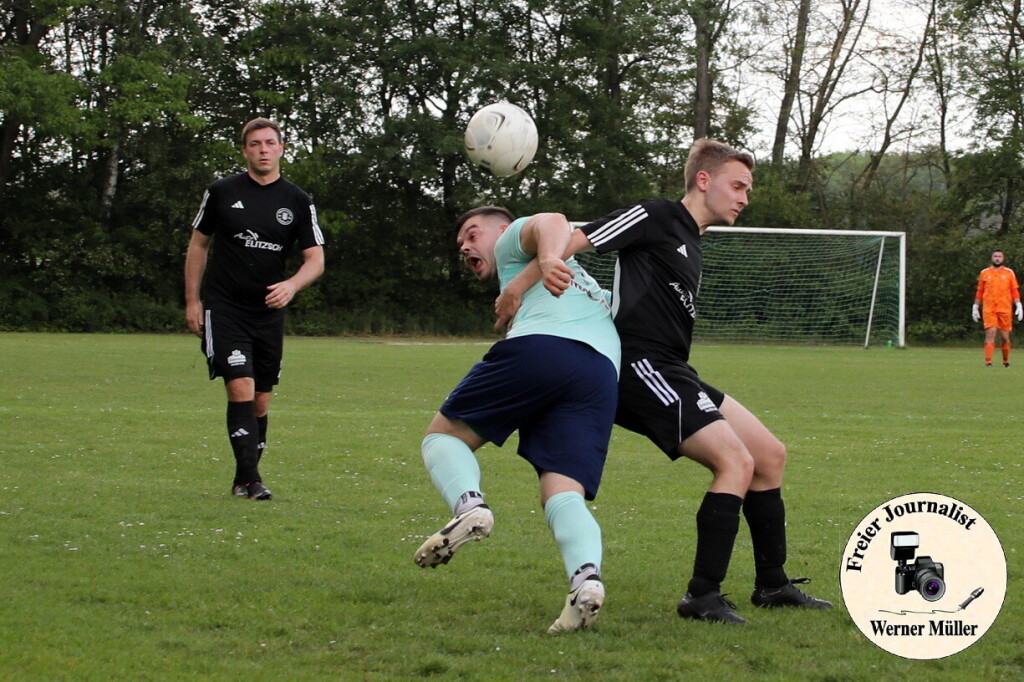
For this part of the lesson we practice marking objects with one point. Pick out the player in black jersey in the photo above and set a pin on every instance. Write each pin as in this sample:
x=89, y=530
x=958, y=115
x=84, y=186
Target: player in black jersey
x=657, y=278
x=252, y=220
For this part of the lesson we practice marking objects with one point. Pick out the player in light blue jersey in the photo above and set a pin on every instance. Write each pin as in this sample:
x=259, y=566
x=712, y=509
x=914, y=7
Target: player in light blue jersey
x=554, y=379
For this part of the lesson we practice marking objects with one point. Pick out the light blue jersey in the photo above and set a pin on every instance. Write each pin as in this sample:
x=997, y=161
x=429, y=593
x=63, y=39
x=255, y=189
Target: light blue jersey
x=582, y=313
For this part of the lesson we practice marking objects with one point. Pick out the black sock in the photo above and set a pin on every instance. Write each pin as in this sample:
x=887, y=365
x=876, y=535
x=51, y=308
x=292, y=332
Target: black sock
x=718, y=521
x=262, y=445
x=243, y=433
x=766, y=516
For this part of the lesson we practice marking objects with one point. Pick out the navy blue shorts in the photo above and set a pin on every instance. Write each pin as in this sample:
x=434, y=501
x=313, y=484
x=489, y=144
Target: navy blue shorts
x=666, y=401
x=240, y=344
x=559, y=393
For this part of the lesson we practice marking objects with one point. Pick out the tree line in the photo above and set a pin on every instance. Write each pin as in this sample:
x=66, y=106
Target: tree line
x=114, y=116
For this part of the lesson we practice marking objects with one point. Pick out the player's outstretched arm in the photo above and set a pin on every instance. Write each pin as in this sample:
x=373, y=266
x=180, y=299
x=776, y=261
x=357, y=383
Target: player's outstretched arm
x=546, y=236
x=282, y=293
x=508, y=301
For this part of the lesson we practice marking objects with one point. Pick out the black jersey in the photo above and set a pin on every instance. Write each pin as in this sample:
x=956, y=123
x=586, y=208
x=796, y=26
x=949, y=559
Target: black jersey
x=657, y=275
x=254, y=228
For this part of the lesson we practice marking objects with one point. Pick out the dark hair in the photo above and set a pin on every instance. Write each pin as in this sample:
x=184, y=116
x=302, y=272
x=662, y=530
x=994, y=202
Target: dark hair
x=486, y=211
x=708, y=155
x=259, y=124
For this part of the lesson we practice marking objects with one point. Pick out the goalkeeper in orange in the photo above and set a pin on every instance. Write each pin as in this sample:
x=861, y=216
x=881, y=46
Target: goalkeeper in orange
x=998, y=292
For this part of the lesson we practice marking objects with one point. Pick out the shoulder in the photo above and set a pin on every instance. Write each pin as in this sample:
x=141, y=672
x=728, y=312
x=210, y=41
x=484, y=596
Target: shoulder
x=222, y=185
x=664, y=212
x=510, y=237
x=229, y=181
x=293, y=190
x=628, y=215
x=661, y=206
x=518, y=223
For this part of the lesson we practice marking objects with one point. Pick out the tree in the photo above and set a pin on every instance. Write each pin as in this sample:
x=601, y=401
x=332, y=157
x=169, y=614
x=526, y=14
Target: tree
x=824, y=85
x=992, y=36
x=710, y=21
x=902, y=85
x=36, y=100
x=794, y=48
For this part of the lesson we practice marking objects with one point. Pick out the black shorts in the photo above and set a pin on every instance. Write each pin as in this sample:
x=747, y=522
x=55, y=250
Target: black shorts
x=559, y=393
x=666, y=401
x=240, y=344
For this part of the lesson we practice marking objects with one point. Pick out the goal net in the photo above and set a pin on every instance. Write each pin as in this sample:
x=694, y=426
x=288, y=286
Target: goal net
x=764, y=285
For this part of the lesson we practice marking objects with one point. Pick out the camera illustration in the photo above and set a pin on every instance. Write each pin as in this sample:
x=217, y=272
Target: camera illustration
x=923, y=575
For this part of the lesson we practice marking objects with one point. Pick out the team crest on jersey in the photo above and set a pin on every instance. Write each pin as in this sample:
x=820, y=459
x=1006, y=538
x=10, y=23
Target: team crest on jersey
x=285, y=216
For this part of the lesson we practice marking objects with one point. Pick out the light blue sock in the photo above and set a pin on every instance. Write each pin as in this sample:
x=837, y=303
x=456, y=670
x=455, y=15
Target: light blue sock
x=452, y=466
x=575, y=530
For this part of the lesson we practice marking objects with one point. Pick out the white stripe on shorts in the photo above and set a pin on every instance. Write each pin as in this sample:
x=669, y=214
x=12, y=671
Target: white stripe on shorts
x=655, y=381
x=208, y=333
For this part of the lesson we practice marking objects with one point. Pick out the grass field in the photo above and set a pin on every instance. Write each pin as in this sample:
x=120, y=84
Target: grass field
x=123, y=557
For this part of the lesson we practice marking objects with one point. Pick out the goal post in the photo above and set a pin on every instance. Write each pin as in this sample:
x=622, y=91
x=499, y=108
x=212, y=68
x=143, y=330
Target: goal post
x=773, y=285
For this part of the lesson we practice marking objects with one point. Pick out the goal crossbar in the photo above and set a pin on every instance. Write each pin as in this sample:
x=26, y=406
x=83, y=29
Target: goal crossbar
x=792, y=285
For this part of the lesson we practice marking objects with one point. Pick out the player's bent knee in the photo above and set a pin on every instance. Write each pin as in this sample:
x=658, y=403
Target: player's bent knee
x=735, y=475
x=772, y=459
x=736, y=465
x=745, y=466
x=240, y=390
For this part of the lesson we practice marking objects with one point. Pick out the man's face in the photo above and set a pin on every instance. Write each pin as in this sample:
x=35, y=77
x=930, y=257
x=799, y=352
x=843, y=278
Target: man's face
x=998, y=258
x=726, y=192
x=476, y=240
x=262, y=152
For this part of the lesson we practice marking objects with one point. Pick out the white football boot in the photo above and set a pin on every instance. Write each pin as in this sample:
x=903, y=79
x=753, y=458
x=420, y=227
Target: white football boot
x=473, y=524
x=581, y=606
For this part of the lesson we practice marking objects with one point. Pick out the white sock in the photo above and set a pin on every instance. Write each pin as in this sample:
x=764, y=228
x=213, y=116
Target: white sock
x=453, y=468
x=575, y=530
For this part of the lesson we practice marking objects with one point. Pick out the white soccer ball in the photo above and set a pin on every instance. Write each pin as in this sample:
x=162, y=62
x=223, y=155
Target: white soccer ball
x=502, y=138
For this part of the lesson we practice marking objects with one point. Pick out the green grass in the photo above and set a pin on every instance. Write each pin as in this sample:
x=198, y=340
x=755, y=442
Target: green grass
x=122, y=555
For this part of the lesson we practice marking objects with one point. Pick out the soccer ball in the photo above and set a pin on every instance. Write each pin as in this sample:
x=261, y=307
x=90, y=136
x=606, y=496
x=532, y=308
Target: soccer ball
x=502, y=138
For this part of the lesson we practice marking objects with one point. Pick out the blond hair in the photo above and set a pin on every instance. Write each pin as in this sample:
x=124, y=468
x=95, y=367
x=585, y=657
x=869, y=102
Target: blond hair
x=709, y=155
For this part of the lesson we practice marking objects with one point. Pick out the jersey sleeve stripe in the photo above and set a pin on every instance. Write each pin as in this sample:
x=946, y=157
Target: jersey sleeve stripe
x=202, y=210
x=617, y=226
x=317, y=234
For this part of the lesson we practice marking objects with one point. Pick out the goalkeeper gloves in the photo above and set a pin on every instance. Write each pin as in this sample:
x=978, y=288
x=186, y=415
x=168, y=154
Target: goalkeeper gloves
x=1020, y=311
x=975, y=313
